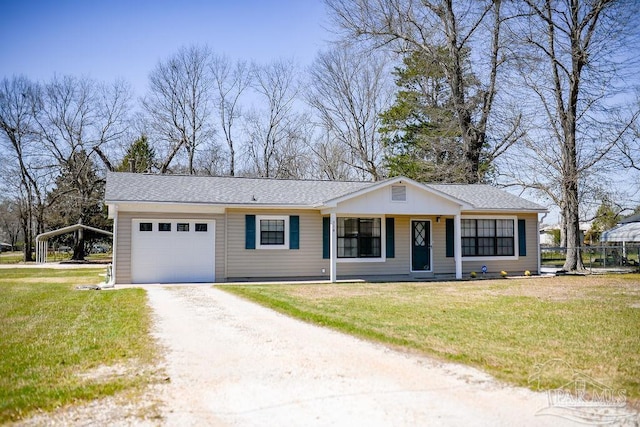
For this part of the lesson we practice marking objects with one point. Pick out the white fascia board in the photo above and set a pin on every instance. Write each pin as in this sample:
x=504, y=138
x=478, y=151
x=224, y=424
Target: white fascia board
x=501, y=211
x=171, y=207
x=270, y=206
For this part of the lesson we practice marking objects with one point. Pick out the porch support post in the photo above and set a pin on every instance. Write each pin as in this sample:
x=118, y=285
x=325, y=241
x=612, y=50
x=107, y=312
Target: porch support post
x=538, y=223
x=457, y=232
x=333, y=247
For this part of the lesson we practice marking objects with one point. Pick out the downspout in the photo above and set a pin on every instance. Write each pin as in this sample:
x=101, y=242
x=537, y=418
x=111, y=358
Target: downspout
x=226, y=243
x=112, y=269
x=540, y=222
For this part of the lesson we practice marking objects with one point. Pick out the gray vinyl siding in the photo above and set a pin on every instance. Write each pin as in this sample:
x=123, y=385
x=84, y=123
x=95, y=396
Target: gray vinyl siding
x=512, y=267
x=391, y=266
x=234, y=262
x=305, y=262
x=123, y=250
x=441, y=263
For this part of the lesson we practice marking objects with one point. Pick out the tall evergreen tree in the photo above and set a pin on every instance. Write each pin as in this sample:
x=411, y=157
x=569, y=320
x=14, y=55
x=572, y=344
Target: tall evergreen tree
x=421, y=133
x=139, y=158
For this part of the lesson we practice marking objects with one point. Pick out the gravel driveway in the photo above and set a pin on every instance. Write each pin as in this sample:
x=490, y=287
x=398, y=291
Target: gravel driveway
x=232, y=362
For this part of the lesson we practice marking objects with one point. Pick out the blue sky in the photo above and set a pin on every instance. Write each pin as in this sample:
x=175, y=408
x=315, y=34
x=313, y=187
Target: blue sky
x=125, y=39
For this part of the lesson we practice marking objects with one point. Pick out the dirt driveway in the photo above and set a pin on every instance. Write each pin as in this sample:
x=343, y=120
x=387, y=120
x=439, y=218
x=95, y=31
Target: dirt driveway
x=234, y=363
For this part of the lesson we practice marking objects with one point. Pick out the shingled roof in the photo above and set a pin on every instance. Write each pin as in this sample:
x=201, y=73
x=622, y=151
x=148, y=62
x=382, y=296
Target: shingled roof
x=131, y=187
x=486, y=197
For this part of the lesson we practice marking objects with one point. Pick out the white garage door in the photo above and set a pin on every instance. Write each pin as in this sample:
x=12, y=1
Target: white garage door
x=172, y=251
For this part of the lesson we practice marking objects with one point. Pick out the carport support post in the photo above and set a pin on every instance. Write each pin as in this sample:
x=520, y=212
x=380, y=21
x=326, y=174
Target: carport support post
x=333, y=247
x=457, y=232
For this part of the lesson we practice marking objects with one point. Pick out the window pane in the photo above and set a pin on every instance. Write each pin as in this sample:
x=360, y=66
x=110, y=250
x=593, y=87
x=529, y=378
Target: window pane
x=468, y=227
x=486, y=246
x=182, y=226
x=366, y=227
x=351, y=227
x=505, y=246
x=377, y=229
x=164, y=226
x=369, y=247
x=201, y=227
x=486, y=228
x=272, y=232
x=468, y=246
x=146, y=226
x=504, y=228
x=347, y=247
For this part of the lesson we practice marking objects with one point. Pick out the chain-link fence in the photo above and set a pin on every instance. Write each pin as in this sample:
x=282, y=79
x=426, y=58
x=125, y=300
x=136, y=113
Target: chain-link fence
x=622, y=257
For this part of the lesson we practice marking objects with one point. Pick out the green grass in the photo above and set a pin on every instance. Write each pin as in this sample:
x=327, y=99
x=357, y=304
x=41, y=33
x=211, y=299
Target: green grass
x=11, y=257
x=59, y=345
x=505, y=327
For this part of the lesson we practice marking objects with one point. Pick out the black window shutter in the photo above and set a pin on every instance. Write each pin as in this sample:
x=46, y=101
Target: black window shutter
x=294, y=232
x=391, y=233
x=522, y=238
x=450, y=237
x=325, y=236
x=250, y=232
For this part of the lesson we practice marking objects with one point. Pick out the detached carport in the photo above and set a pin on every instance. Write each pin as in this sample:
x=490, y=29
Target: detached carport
x=622, y=233
x=42, y=240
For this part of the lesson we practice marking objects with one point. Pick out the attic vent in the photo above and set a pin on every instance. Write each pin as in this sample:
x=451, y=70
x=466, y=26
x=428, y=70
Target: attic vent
x=398, y=193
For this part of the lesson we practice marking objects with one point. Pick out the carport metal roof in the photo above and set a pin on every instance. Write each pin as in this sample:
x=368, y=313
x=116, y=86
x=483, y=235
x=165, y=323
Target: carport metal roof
x=629, y=232
x=42, y=240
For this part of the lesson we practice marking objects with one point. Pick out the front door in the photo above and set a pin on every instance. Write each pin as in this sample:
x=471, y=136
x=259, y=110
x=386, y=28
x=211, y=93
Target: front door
x=420, y=245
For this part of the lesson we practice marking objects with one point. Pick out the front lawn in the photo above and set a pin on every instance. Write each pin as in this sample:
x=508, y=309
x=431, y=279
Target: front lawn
x=59, y=345
x=508, y=328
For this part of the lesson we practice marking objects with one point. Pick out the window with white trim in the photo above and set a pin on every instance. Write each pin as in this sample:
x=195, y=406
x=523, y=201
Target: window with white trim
x=488, y=237
x=272, y=232
x=359, y=238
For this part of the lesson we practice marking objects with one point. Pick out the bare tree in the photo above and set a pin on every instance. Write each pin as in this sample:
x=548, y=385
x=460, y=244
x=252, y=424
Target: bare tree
x=230, y=81
x=349, y=90
x=332, y=159
x=18, y=98
x=569, y=54
x=76, y=117
x=274, y=138
x=428, y=27
x=178, y=104
x=10, y=224
x=77, y=114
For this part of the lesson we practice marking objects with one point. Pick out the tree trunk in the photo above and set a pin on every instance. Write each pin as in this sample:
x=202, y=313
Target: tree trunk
x=573, y=262
x=78, y=247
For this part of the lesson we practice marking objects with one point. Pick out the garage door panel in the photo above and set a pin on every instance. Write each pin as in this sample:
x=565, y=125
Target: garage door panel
x=173, y=256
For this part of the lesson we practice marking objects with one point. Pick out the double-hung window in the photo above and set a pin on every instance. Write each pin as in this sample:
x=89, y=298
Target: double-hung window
x=488, y=237
x=359, y=237
x=273, y=232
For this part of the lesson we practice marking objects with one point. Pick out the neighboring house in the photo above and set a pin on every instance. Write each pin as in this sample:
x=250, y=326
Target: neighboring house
x=170, y=228
x=548, y=233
